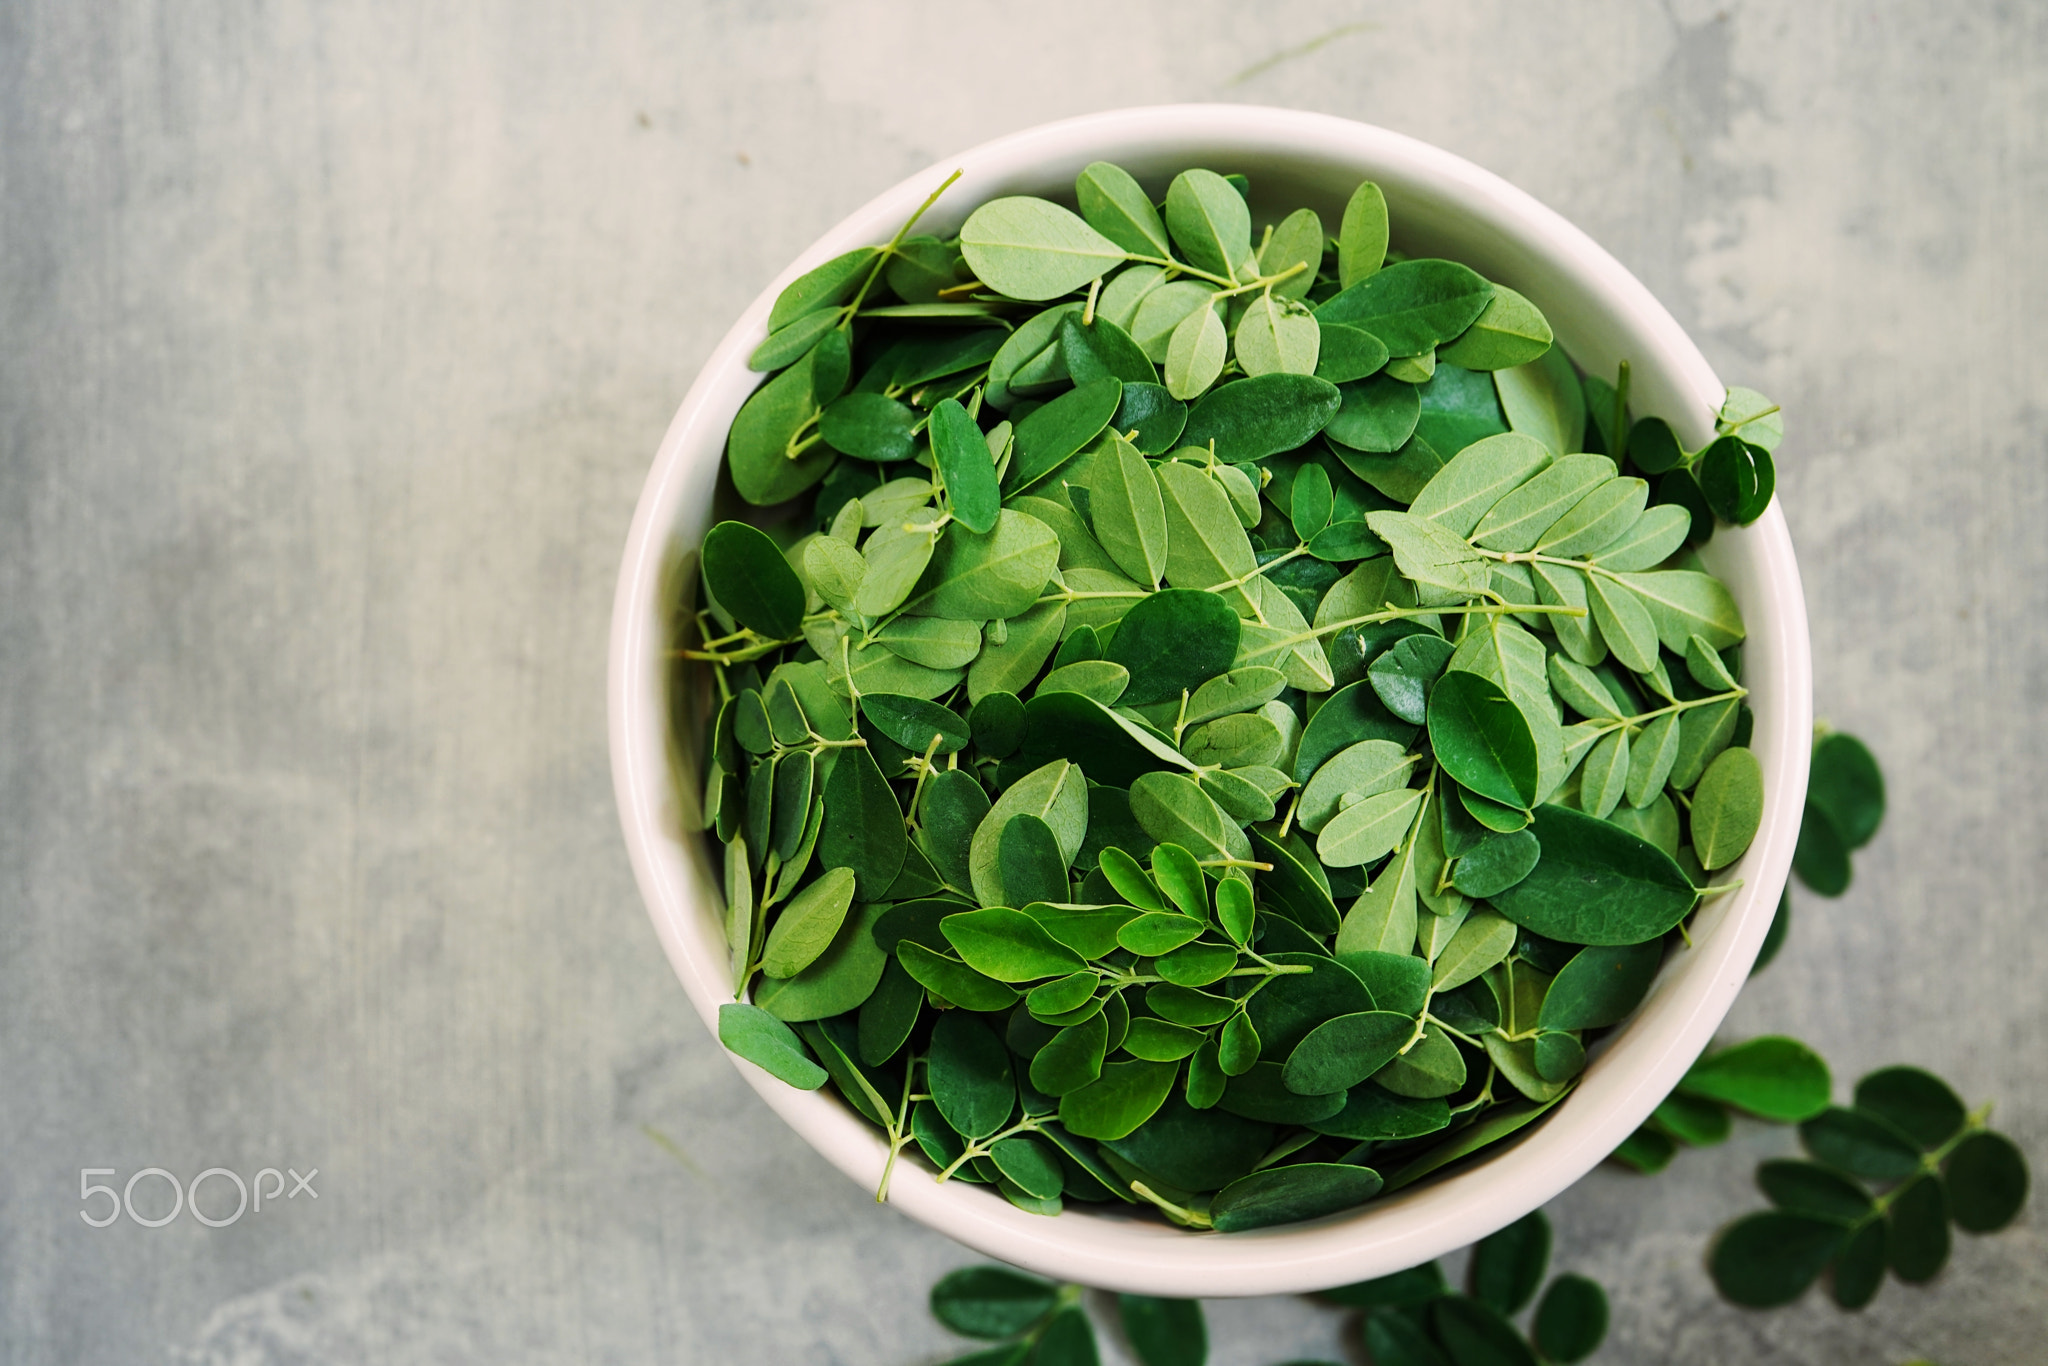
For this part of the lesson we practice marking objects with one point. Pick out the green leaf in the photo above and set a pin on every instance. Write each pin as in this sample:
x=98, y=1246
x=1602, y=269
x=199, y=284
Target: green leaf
x=1809, y=1188
x=1238, y=690
x=1251, y=419
x=1510, y=331
x=808, y=924
x=1102, y=350
x=1478, y=479
x=863, y=826
x=1404, y=675
x=1727, y=808
x=1860, y=1265
x=870, y=426
x=1129, y=514
x=1508, y=1266
x=1072, y=1058
x=975, y=577
x=1297, y=240
x=769, y=1044
x=1210, y=222
x=1656, y=754
x=1195, y=353
x=1596, y=884
x=842, y=977
x=1174, y=640
x=1029, y=1163
x=920, y=268
x=895, y=556
x=1123, y=1097
x=991, y=1302
x=1571, y=1320
x=824, y=286
x=961, y=454
x=1920, y=1104
x=1772, y=1077
x=1050, y=436
x=1596, y=520
x=1374, y=1114
x=1769, y=1259
x=915, y=723
x=1012, y=664
x=1033, y=249
x=1652, y=447
x=1031, y=351
x=1701, y=1123
x=1684, y=603
x=1172, y=809
x=1396, y=1340
x=1752, y=416
x=1482, y=739
x=968, y=1071
x=1341, y=1052
x=1846, y=786
x=1033, y=867
x=1737, y=479
x=1159, y=932
x=1365, y=769
x=888, y=1017
x=1347, y=353
x=1821, y=858
x=835, y=569
x=1649, y=541
x=1057, y=794
x=1008, y=945
x=1496, y=1124
x=1430, y=555
x=1278, y=335
x=1987, y=1182
x=1286, y=1195
x=793, y=339
x=1115, y=205
x=1434, y=1067
x=750, y=577
x=1600, y=986
x=1475, y=1335
x=1164, y=1332
x=1412, y=306
x=1917, y=1242
x=1205, y=543
x=1376, y=415
x=1163, y=310
x=1383, y=919
x=1069, y=1340
x=1483, y=940
x=1625, y=622
x=1543, y=398
x=1603, y=781
x=1367, y=830
x=1860, y=1143
x=1362, y=236
x=1150, y=417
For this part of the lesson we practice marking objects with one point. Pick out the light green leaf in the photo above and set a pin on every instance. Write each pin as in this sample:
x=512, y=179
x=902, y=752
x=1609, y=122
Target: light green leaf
x=1652, y=540
x=1512, y=331
x=808, y=924
x=1126, y=290
x=1162, y=312
x=1597, y=519
x=822, y=287
x=1604, y=779
x=1484, y=939
x=769, y=1044
x=1205, y=543
x=935, y=642
x=1727, y=808
x=1545, y=400
x=974, y=578
x=1362, y=237
x=1116, y=205
x=1210, y=223
x=1365, y=769
x=1430, y=554
x=1382, y=919
x=1749, y=415
x=896, y=557
x=1562, y=586
x=1172, y=809
x=1624, y=621
x=1195, y=354
x=1582, y=690
x=1477, y=478
x=1650, y=766
x=1519, y=520
x=835, y=569
x=1278, y=335
x=1685, y=603
x=1129, y=513
x=1296, y=240
x=1367, y=830
x=1033, y=249
x=1057, y=794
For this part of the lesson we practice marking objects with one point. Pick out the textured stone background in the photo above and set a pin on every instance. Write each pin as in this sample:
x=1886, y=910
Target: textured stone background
x=337, y=340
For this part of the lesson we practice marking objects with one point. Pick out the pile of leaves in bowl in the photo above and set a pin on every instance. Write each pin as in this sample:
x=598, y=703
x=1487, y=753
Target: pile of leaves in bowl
x=1200, y=724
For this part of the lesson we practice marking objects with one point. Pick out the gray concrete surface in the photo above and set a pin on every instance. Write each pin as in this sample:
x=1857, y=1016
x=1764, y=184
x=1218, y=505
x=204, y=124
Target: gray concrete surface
x=336, y=343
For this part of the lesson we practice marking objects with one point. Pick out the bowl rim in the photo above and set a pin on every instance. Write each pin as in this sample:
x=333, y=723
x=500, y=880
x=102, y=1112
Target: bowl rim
x=1639, y=1064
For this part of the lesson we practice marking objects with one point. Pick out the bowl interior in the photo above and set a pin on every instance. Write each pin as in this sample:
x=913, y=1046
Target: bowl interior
x=1440, y=205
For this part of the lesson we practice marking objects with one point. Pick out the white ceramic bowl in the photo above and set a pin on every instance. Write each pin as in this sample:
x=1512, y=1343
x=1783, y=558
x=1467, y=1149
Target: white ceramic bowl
x=1439, y=205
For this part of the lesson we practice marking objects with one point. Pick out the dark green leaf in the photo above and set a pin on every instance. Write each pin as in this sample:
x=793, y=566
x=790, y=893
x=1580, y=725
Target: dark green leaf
x=870, y=426
x=888, y=1016
x=1987, y=1182
x=1772, y=1077
x=1102, y=350
x=1341, y=1052
x=1069, y=1340
x=1397, y=1340
x=1371, y=1113
x=1072, y=1058
x=842, y=977
x=863, y=826
x=1404, y=674
x=954, y=980
x=1860, y=1143
x=1737, y=479
x=1727, y=808
x=1809, y=1188
x=1033, y=868
x=1846, y=786
x=751, y=579
x=1917, y=1242
x=1596, y=883
x=1482, y=739
x=1008, y=945
x=1348, y=353
x=1286, y=1195
x=1125, y=1096
x=1497, y=864
x=1601, y=985
x=1164, y=1332
x=962, y=456
x=1497, y=1124
x=1475, y=1335
x=1571, y=1321
x=969, y=1074
x=1765, y=1260
x=1646, y=1150
x=1196, y=1150
x=991, y=1301
x=1821, y=858
x=1052, y=435
x=1416, y=1286
x=1374, y=415
x=1692, y=1119
x=769, y=1044
x=1151, y=418
x=1174, y=640
x=1860, y=1265
x=915, y=723
x=1412, y=306
x=1920, y=1104
x=1508, y=1266
x=1250, y=419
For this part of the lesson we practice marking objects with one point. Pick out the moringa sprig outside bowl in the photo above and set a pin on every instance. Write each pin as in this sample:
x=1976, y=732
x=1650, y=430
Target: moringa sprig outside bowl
x=1442, y=207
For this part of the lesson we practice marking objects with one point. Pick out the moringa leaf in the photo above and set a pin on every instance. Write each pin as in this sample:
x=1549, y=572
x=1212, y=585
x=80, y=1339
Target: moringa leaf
x=1033, y=249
